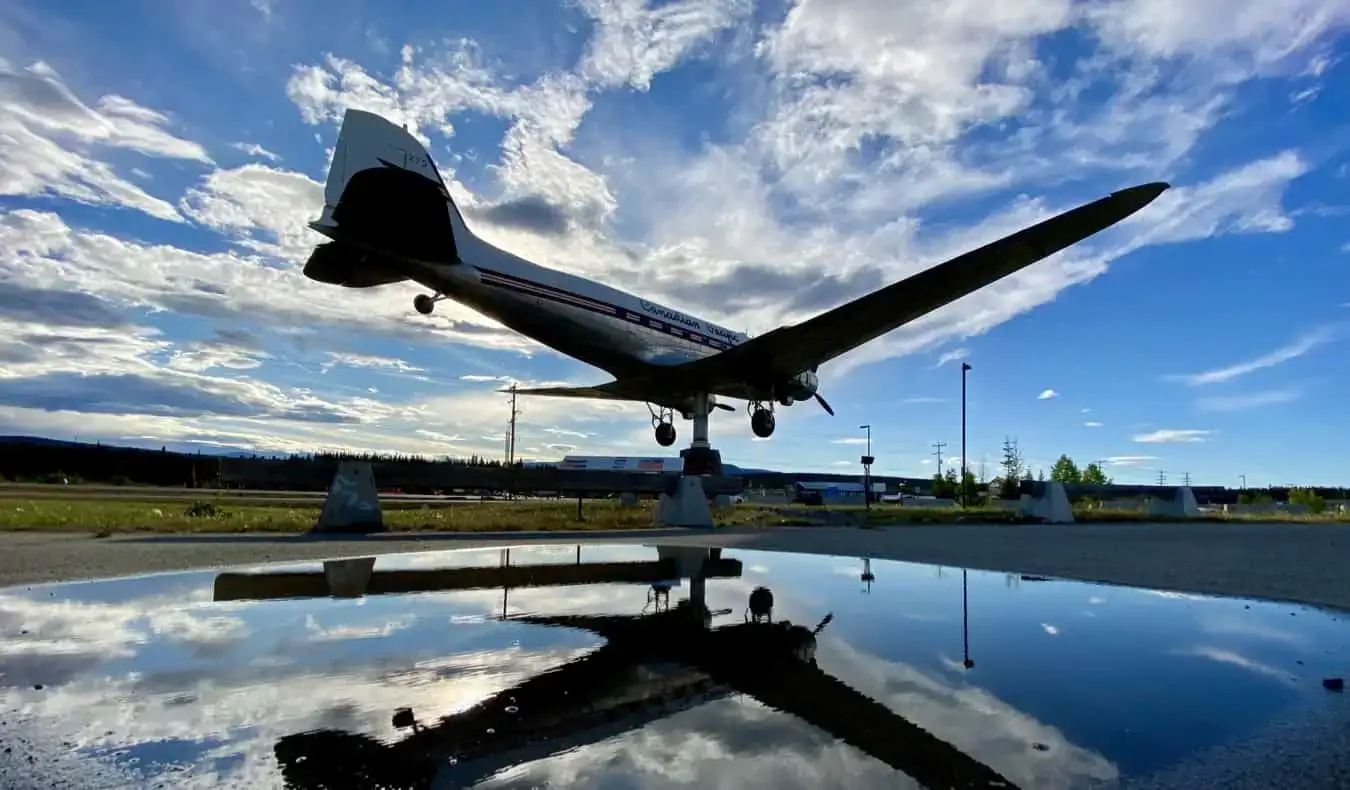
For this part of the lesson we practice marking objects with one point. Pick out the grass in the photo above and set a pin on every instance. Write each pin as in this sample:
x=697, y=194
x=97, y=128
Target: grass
x=105, y=517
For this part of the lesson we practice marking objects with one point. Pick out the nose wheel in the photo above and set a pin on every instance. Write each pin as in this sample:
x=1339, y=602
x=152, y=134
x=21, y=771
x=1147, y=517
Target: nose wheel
x=424, y=303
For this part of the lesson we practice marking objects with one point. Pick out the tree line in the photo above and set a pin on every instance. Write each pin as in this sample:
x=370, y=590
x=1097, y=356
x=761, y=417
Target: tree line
x=29, y=461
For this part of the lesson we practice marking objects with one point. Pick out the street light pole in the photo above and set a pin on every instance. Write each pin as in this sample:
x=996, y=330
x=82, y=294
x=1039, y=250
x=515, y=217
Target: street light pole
x=867, y=468
x=965, y=489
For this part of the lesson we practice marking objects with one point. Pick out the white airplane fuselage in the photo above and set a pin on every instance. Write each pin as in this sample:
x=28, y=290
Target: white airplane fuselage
x=595, y=323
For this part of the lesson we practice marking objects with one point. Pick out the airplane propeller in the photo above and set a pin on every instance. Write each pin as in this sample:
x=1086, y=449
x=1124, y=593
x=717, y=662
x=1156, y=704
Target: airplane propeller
x=824, y=404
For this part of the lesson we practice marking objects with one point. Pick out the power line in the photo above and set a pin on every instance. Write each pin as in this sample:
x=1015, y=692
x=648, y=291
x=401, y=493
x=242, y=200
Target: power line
x=1162, y=477
x=1186, y=479
x=938, y=453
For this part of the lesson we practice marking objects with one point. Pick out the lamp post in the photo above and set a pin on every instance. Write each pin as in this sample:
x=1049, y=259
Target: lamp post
x=965, y=489
x=867, y=468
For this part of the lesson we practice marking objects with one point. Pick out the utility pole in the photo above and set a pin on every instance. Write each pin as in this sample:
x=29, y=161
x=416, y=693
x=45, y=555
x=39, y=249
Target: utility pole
x=1162, y=477
x=1186, y=479
x=965, y=492
x=511, y=436
x=1244, y=482
x=938, y=453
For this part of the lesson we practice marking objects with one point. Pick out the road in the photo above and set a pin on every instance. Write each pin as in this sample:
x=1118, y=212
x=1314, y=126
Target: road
x=1289, y=562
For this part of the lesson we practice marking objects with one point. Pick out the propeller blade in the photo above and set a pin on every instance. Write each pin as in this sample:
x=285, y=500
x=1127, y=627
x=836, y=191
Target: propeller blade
x=824, y=405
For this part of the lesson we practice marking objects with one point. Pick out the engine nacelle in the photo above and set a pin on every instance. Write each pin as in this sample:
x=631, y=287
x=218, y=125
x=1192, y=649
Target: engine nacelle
x=341, y=264
x=800, y=387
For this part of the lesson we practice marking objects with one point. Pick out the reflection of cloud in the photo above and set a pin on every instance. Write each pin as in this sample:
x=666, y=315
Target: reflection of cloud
x=1096, y=599
x=1050, y=629
x=1240, y=627
x=1238, y=660
x=318, y=633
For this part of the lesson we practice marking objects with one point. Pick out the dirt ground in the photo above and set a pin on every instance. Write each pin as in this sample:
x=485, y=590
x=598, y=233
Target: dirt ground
x=1291, y=562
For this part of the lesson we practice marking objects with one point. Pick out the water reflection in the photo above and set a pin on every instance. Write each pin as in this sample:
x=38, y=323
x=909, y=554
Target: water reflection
x=631, y=666
x=651, y=665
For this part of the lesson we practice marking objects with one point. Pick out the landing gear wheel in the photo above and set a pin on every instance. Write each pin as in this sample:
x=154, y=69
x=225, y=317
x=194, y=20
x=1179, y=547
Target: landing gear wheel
x=762, y=423
x=665, y=434
x=424, y=304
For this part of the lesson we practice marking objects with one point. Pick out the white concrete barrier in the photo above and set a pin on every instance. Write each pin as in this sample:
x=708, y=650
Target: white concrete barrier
x=1051, y=506
x=1181, y=504
x=687, y=508
x=353, y=502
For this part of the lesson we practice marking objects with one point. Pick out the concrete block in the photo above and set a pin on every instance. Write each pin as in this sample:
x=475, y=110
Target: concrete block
x=1181, y=504
x=687, y=507
x=628, y=499
x=348, y=578
x=1051, y=506
x=722, y=500
x=353, y=502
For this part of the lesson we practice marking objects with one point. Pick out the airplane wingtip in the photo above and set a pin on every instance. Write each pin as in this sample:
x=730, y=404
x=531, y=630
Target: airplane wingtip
x=1146, y=193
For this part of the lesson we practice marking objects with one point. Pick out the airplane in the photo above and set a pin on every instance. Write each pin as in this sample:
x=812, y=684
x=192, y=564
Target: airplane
x=390, y=218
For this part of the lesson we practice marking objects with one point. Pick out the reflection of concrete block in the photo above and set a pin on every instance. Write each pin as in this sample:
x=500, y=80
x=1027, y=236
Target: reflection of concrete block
x=628, y=499
x=687, y=507
x=353, y=503
x=1181, y=504
x=348, y=578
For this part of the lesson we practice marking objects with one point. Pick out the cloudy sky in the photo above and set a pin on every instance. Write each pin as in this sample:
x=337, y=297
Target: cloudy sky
x=751, y=162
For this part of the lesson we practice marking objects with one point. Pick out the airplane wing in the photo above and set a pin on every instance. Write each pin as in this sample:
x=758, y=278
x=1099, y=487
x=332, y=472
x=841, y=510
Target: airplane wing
x=789, y=350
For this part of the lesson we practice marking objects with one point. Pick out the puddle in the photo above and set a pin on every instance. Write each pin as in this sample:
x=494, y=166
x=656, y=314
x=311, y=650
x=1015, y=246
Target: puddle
x=614, y=667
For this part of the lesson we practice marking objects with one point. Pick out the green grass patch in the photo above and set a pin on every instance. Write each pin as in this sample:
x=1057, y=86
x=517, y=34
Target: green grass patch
x=105, y=517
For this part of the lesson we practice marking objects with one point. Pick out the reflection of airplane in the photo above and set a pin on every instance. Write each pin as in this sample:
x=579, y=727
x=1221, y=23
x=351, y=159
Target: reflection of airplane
x=651, y=666
x=390, y=218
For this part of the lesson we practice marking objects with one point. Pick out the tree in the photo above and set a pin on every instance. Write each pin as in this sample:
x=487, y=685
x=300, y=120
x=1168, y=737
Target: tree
x=1093, y=475
x=1065, y=471
x=1309, y=498
x=1012, y=469
x=944, y=485
x=1012, y=459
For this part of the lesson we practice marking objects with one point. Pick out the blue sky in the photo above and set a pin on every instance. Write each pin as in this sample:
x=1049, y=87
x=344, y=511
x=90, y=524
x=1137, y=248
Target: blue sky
x=158, y=163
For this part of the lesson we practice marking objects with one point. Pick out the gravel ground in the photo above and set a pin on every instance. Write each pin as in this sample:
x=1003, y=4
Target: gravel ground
x=1291, y=562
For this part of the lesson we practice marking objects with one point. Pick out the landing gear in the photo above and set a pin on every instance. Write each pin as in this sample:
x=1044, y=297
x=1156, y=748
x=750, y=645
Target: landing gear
x=663, y=420
x=762, y=421
x=424, y=303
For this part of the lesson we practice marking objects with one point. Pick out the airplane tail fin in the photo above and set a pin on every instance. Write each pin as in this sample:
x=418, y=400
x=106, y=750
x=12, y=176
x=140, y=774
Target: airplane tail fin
x=383, y=191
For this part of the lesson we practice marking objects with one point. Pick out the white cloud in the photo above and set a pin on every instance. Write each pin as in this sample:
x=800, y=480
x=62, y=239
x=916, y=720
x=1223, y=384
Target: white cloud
x=954, y=355
x=48, y=139
x=255, y=150
x=1170, y=435
x=1047, y=395
x=1130, y=460
x=1293, y=350
x=924, y=399
x=1252, y=401
x=850, y=440
x=1092, y=424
